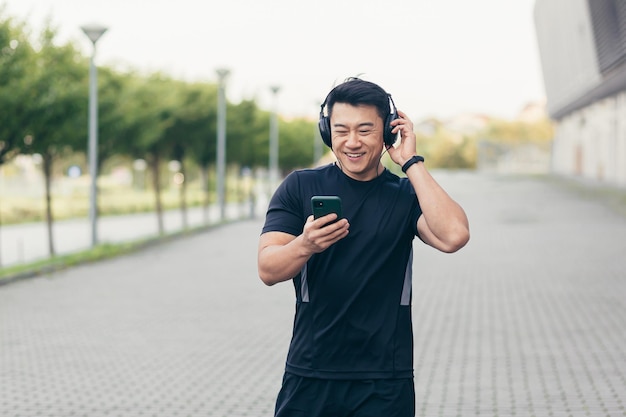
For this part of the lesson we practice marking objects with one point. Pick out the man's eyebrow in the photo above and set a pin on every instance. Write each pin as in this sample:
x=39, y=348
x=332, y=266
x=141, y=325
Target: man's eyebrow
x=364, y=124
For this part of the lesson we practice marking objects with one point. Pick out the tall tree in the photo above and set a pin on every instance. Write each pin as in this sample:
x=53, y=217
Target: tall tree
x=150, y=102
x=186, y=112
x=199, y=120
x=15, y=56
x=56, y=108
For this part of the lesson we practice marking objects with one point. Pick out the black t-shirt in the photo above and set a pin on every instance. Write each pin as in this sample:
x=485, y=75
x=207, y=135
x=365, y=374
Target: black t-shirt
x=353, y=301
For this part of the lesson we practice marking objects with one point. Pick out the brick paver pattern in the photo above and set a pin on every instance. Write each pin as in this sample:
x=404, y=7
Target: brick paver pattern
x=528, y=320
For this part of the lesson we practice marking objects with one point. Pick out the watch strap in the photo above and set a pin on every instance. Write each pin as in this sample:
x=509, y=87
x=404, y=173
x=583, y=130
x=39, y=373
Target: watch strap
x=414, y=159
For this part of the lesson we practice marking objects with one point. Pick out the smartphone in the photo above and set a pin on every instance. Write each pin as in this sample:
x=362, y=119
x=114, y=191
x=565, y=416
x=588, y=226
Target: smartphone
x=326, y=204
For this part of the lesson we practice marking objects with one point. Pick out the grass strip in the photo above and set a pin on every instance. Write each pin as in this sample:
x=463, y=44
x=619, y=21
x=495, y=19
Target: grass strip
x=99, y=252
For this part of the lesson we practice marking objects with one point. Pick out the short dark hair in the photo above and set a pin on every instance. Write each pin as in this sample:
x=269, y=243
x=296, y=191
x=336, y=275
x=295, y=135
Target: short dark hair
x=356, y=92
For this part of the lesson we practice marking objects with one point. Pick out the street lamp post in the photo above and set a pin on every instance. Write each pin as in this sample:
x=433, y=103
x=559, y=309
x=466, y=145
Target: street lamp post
x=273, y=162
x=317, y=146
x=93, y=32
x=222, y=73
x=317, y=142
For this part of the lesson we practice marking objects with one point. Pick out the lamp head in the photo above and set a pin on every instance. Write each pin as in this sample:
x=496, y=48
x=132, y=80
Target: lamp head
x=94, y=32
x=222, y=73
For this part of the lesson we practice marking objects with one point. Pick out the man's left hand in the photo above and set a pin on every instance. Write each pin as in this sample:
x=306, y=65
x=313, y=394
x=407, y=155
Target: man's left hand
x=407, y=146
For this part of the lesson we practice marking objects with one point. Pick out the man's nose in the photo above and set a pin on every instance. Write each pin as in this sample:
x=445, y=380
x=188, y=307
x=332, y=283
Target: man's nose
x=353, y=138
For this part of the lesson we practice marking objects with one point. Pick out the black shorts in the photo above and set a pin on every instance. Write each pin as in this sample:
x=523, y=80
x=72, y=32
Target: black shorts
x=312, y=397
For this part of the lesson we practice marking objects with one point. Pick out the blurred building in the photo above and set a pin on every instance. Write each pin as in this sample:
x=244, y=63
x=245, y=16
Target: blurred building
x=582, y=46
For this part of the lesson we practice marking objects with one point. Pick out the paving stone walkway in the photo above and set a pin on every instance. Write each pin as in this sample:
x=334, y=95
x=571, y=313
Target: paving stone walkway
x=528, y=320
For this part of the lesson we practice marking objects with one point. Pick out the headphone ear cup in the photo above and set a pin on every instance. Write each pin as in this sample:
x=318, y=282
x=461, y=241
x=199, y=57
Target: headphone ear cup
x=388, y=137
x=324, y=126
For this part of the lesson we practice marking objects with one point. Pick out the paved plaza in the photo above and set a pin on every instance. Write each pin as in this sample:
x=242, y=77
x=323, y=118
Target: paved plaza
x=528, y=320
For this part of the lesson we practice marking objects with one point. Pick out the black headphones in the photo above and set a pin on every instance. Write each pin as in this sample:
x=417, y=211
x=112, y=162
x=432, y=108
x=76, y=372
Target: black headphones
x=388, y=137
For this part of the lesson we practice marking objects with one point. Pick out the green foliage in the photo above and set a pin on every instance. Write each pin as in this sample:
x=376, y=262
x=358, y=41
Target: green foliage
x=517, y=131
x=114, y=115
x=246, y=128
x=56, y=93
x=448, y=150
x=44, y=94
x=297, y=144
x=194, y=124
x=16, y=56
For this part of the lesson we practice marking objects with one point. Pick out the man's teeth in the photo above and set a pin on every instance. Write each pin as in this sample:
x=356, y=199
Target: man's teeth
x=354, y=155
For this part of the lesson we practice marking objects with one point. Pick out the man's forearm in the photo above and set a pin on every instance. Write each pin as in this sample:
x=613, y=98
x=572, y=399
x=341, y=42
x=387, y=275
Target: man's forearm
x=281, y=262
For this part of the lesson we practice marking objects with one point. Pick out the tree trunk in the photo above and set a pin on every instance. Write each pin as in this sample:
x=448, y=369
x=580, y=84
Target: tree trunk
x=204, y=169
x=156, y=181
x=183, y=194
x=0, y=236
x=47, y=173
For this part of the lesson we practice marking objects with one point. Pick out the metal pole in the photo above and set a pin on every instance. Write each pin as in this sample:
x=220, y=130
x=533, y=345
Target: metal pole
x=93, y=147
x=273, y=162
x=221, y=142
x=317, y=146
x=93, y=32
x=317, y=143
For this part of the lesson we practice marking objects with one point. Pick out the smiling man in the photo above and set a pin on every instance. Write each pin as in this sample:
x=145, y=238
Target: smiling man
x=351, y=352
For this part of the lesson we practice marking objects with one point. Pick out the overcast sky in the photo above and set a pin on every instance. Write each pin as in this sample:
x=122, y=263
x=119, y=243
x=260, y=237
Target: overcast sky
x=437, y=58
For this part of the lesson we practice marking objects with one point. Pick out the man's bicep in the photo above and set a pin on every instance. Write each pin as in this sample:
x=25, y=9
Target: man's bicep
x=273, y=259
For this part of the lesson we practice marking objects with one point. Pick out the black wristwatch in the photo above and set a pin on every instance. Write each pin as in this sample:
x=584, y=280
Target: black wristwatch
x=414, y=159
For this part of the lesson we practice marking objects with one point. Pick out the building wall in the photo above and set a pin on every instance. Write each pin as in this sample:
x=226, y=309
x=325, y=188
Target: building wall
x=584, y=69
x=591, y=142
x=567, y=51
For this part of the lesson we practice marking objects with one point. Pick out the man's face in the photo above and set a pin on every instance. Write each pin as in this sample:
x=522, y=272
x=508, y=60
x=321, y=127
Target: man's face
x=357, y=139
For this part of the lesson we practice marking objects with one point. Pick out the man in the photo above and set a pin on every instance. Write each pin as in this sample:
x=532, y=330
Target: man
x=351, y=352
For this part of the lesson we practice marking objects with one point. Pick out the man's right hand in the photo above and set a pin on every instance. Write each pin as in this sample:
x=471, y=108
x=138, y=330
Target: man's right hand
x=319, y=234
x=281, y=255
